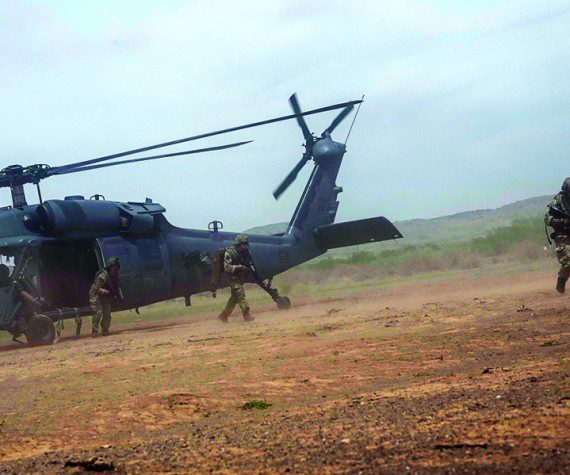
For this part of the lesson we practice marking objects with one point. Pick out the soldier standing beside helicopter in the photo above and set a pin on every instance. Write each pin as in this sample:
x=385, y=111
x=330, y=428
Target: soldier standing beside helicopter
x=235, y=267
x=104, y=290
x=558, y=217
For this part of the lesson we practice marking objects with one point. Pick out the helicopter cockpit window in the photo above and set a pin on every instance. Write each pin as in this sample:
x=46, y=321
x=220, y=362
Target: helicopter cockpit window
x=149, y=255
x=21, y=264
x=7, y=263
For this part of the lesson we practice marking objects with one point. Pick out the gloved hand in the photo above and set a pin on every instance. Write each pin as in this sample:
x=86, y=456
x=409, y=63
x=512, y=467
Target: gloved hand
x=241, y=268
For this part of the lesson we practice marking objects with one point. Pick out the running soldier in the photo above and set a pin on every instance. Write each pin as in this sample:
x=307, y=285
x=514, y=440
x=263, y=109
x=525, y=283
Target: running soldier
x=235, y=268
x=105, y=289
x=558, y=218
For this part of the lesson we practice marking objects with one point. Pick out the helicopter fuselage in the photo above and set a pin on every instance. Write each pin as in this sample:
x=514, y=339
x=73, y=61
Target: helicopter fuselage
x=59, y=245
x=67, y=241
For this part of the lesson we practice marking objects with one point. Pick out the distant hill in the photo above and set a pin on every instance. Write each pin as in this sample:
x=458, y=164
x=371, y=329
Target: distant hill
x=462, y=226
x=467, y=225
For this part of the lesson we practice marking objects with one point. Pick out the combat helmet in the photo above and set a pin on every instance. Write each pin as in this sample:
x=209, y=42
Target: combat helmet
x=566, y=187
x=112, y=261
x=242, y=239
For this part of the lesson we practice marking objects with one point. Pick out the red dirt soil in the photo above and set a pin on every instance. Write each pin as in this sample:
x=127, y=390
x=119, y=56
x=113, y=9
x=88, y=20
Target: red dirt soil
x=468, y=375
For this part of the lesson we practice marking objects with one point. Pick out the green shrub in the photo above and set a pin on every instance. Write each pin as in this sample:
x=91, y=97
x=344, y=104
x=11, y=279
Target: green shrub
x=501, y=240
x=255, y=404
x=523, y=238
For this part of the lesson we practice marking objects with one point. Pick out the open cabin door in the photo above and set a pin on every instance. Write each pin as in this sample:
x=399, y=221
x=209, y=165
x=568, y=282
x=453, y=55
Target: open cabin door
x=145, y=268
x=154, y=273
x=119, y=247
x=66, y=272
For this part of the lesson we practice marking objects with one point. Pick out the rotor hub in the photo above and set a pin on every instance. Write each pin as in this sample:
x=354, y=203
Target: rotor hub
x=326, y=150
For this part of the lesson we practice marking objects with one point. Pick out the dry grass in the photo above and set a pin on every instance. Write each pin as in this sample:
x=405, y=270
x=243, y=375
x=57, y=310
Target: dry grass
x=431, y=263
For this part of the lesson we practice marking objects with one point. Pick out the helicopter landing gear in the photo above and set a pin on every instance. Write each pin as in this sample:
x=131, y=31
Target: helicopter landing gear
x=283, y=302
x=41, y=330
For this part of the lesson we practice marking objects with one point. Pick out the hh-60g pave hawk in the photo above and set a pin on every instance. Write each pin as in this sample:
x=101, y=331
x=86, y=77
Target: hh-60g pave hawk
x=57, y=246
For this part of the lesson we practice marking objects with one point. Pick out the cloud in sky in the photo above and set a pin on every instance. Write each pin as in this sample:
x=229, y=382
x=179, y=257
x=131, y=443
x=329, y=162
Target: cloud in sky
x=466, y=102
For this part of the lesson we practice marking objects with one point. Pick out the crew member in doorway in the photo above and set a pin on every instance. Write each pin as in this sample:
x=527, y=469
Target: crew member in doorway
x=29, y=305
x=235, y=268
x=106, y=288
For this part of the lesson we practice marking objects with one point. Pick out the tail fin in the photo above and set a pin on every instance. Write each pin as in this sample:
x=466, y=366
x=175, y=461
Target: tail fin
x=318, y=204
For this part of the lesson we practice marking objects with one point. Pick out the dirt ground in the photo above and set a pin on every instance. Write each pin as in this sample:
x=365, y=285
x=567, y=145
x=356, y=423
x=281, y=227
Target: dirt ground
x=466, y=375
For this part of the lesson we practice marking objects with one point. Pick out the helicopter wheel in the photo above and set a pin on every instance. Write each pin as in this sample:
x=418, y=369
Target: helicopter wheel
x=283, y=303
x=41, y=330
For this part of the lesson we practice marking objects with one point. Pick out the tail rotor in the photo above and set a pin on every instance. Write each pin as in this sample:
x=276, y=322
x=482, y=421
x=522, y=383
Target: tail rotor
x=310, y=141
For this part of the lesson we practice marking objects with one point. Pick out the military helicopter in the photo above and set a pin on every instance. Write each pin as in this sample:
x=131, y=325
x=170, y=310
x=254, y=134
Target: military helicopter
x=57, y=246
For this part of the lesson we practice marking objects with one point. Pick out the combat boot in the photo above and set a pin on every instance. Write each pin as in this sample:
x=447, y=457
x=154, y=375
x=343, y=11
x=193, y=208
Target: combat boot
x=248, y=318
x=223, y=317
x=105, y=332
x=94, y=334
x=561, y=285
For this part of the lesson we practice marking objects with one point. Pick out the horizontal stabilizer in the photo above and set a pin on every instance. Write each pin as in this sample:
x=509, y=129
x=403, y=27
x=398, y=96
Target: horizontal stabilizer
x=352, y=233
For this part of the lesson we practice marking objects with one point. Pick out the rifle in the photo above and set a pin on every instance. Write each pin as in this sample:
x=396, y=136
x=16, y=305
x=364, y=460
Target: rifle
x=556, y=213
x=281, y=301
x=559, y=213
x=113, y=286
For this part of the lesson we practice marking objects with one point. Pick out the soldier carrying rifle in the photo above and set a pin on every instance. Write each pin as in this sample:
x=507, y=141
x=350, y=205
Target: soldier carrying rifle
x=558, y=218
x=236, y=260
x=236, y=265
x=105, y=289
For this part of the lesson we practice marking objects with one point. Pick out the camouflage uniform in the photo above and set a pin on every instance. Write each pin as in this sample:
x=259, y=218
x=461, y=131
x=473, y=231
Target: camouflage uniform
x=561, y=234
x=232, y=262
x=104, y=290
x=100, y=300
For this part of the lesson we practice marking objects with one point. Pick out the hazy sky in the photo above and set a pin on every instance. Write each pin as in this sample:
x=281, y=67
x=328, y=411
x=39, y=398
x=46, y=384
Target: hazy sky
x=467, y=103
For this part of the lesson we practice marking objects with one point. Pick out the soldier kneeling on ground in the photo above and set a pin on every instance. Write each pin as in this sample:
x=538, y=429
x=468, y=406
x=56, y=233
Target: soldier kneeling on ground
x=105, y=289
x=235, y=268
x=558, y=218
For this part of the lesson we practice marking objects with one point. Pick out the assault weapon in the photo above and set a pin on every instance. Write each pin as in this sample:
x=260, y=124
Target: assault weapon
x=113, y=286
x=282, y=302
x=559, y=213
x=556, y=213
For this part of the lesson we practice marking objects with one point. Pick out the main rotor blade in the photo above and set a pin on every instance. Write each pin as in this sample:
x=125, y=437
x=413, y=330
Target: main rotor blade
x=144, y=159
x=55, y=170
x=338, y=119
x=290, y=178
x=294, y=101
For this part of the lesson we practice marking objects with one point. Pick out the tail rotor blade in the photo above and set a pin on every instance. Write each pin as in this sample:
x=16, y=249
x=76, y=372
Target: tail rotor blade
x=294, y=101
x=338, y=119
x=290, y=178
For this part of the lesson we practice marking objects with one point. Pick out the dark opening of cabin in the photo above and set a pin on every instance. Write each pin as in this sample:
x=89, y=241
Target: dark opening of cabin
x=67, y=271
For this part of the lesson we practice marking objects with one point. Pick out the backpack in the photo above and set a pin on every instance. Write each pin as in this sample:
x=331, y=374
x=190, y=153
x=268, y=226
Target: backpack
x=217, y=269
